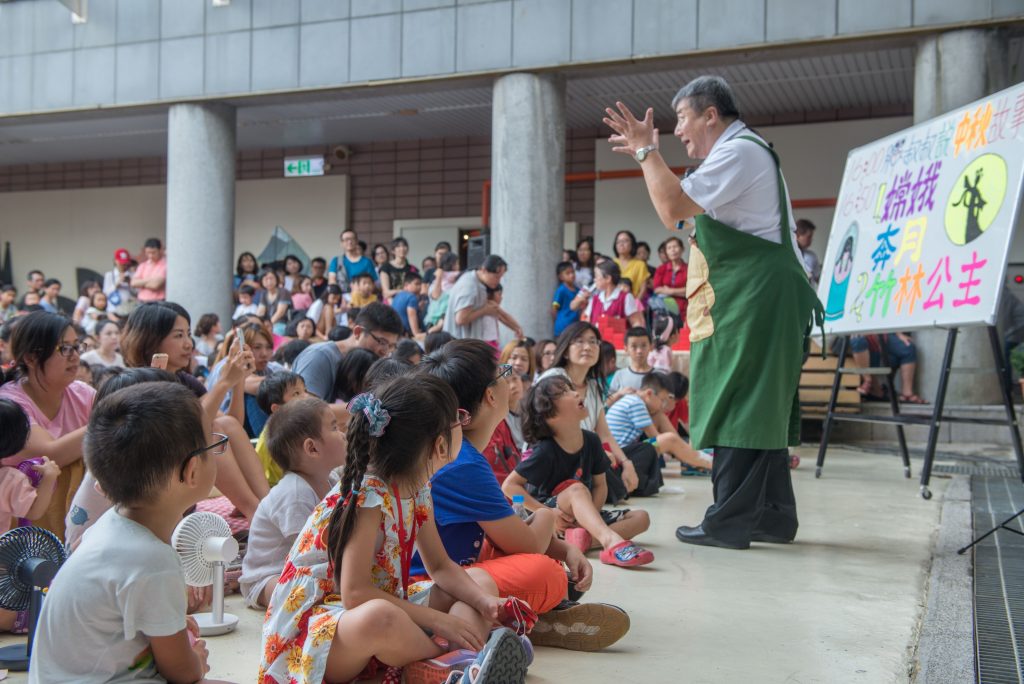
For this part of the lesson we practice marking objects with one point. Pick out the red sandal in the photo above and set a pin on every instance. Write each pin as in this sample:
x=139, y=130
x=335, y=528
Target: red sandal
x=626, y=554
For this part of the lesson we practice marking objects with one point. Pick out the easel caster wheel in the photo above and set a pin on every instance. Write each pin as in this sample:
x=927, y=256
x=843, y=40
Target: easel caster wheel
x=926, y=493
x=906, y=472
x=817, y=473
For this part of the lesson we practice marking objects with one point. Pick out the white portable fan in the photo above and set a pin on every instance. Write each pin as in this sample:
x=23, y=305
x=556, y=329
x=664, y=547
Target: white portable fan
x=204, y=545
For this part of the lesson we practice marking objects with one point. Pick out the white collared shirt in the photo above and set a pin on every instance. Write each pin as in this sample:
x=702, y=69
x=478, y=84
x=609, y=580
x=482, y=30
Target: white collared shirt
x=737, y=185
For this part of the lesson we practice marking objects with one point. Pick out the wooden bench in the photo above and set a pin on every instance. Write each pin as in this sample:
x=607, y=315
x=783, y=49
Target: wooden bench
x=816, y=386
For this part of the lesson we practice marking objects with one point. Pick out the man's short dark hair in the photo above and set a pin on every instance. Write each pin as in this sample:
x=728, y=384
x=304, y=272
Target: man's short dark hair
x=51, y=281
x=443, y=244
x=493, y=264
x=680, y=384
x=435, y=340
x=708, y=91
x=564, y=266
x=153, y=243
x=290, y=426
x=468, y=366
x=140, y=436
x=413, y=278
x=377, y=317
x=399, y=241
x=9, y=288
x=637, y=331
x=318, y=260
x=656, y=381
x=361, y=276
x=34, y=272
x=273, y=388
x=803, y=226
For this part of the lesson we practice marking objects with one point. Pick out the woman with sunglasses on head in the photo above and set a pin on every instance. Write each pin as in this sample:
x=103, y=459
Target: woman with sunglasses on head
x=46, y=352
x=159, y=334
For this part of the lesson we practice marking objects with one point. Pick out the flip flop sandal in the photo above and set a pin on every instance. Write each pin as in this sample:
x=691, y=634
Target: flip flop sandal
x=912, y=399
x=626, y=554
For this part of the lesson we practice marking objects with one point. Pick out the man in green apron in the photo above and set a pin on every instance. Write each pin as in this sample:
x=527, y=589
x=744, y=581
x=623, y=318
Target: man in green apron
x=750, y=307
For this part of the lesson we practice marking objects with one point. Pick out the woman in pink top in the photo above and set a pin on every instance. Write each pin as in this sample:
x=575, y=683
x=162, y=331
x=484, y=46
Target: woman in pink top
x=46, y=353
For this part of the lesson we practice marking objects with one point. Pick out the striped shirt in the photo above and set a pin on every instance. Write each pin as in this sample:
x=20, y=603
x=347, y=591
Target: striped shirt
x=627, y=419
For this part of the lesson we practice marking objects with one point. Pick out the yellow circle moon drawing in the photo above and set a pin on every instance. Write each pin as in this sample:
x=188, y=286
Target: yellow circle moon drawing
x=976, y=198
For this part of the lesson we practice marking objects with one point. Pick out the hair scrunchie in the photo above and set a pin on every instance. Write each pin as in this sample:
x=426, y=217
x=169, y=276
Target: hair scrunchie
x=376, y=415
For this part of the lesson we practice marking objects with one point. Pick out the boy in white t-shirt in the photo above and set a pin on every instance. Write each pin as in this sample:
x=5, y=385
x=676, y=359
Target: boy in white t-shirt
x=306, y=441
x=116, y=609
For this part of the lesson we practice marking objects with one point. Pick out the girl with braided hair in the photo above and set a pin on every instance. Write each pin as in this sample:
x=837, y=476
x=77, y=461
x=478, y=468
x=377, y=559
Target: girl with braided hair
x=344, y=607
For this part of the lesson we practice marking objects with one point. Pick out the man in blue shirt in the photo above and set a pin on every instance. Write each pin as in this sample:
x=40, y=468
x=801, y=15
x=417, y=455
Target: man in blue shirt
x=479, y=528
x=351, y=263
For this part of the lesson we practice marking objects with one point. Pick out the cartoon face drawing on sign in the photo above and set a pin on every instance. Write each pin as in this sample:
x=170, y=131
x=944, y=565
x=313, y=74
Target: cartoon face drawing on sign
x=841, y=275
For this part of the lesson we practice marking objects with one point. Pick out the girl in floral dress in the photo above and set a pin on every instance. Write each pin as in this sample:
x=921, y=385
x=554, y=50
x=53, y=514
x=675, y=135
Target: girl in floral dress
x=343, y=608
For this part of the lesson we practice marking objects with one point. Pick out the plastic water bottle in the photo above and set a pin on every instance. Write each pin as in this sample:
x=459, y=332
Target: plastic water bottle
x=519, y=506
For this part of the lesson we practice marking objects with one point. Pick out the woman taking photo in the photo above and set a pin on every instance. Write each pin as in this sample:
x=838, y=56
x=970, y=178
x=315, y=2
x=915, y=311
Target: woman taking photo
x=261, y=344
x=46, y=353
x=158, y=334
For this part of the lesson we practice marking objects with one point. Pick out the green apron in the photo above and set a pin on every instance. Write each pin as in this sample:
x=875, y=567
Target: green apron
x=750, y=312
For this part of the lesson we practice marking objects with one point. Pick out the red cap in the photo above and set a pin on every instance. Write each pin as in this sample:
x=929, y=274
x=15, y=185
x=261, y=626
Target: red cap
x=122, y=256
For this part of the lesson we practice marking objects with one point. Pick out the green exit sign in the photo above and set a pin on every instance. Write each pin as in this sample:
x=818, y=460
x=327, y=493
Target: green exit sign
x=295, y=167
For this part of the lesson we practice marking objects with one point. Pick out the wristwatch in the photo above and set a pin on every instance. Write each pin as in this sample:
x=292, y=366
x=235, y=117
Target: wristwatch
x=642, y=153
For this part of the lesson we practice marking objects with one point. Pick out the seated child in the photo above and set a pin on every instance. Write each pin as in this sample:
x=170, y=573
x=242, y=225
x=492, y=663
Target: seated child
x=246, y=305
x=89, y=502
x=362, y=291
x=116, y=609
x=490, y=330
x=666, y=334
x=276, y=390
x=503, y=452
x=565, y=308
x=627, y=380
x=632, y=418
x=344, y=607
x=307, y=445
x=566, y=471
x=25, y=489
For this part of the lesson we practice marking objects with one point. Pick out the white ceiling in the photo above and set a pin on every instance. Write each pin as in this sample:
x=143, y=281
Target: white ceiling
x=847, y=80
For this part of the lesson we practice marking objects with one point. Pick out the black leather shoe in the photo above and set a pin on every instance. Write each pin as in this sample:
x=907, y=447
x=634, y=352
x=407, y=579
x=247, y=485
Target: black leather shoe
x=770, y=539
x=697, y=535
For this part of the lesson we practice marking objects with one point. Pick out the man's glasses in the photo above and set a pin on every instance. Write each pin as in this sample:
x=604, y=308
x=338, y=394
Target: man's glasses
x=388, y=346
x=462, y=417
x=504, y=371
x=68, y=350
x=219, y=446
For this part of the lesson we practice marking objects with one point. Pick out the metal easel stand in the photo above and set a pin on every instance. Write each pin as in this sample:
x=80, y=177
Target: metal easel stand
x=933, y=421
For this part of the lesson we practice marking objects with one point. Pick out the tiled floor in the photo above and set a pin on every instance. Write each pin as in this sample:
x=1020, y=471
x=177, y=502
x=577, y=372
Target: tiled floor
x=840, y=605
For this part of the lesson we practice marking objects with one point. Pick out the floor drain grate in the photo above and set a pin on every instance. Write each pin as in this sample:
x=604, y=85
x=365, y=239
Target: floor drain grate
x=991, y=470
x=998, y=581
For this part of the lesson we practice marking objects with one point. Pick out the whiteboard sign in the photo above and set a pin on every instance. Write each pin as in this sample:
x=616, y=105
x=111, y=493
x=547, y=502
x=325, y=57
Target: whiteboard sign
x=924, y=220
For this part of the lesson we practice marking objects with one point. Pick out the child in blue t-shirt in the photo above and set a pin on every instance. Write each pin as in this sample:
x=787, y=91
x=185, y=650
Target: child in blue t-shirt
x=561, y=306
x=407, y=304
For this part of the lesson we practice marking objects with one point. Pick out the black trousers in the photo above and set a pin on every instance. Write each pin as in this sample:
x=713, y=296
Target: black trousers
x=753, y=495
x=648, y=474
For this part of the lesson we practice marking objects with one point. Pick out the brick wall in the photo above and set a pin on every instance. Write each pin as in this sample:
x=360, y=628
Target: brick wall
x=389, y=180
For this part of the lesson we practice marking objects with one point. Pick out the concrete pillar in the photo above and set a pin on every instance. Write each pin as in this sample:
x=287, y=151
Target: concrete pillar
x=528, y=193
x=951, y=70
x=201, y=208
